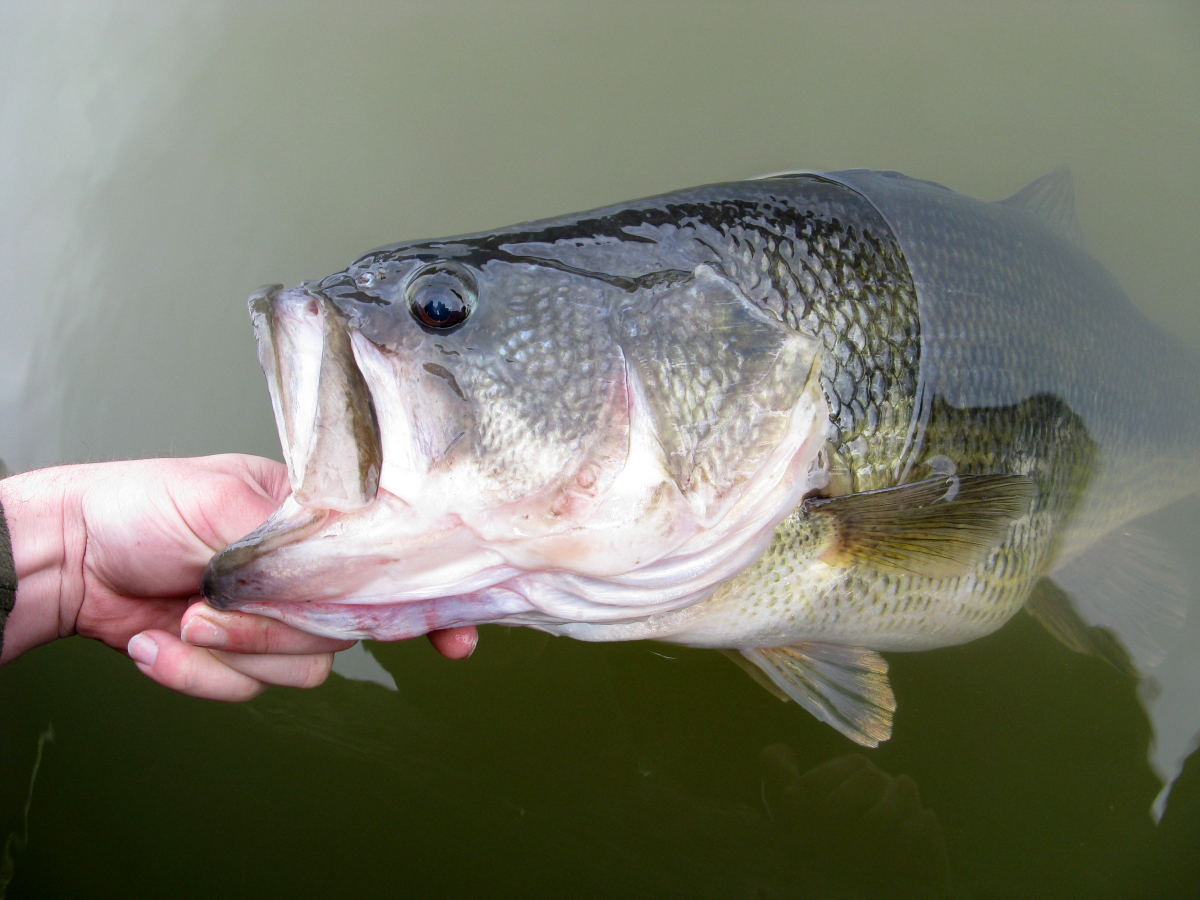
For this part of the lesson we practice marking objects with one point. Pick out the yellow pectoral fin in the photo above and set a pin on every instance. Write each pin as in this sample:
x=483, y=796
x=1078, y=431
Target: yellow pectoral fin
x=939, y=527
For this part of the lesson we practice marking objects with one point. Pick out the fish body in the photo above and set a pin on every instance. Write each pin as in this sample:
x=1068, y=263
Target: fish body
x=805, y=418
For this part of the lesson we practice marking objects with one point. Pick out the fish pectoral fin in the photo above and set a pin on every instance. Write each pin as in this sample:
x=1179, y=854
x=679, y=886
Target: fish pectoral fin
x=939, y=527
x=846, y=687
x=1050, y=605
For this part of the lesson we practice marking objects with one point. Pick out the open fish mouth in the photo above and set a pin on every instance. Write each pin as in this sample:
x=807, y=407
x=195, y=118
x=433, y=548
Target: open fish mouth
x=339, y=556
x=394, y=529
x=338, y=535
x=327, y=425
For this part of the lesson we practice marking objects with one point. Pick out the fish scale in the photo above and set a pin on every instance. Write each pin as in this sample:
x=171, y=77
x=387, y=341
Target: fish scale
x=805, y=418
x=1040, y=438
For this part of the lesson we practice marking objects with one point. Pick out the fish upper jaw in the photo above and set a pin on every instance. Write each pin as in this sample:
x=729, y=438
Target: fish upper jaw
x=323, y=408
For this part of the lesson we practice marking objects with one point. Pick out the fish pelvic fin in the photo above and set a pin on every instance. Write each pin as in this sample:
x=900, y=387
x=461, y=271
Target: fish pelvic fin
x=1050, y=199
x=846, y=687
x=939, y=527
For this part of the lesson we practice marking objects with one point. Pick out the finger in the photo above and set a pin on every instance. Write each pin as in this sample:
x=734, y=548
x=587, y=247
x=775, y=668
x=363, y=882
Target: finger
x=455, y=643
x=302, y=671
x=825, y=778
x=900, y=801
x=189, y=670
x=858, y=793
x=216, y=675
x=203, y=626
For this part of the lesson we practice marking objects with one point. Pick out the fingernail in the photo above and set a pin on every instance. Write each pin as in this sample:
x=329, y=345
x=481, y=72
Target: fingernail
x=471, y=640
x=200, y=632
x=143, y=649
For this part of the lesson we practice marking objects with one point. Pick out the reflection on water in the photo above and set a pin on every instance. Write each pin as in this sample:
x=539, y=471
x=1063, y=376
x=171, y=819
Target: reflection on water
x=158, y=164
x=609, y=771
x=846, y=804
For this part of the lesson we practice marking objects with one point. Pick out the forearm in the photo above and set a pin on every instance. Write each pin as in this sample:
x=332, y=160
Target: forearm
x=47, y=535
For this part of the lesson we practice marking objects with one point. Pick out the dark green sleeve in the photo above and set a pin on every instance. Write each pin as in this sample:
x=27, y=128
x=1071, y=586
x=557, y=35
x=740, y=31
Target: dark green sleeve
x=8, y=576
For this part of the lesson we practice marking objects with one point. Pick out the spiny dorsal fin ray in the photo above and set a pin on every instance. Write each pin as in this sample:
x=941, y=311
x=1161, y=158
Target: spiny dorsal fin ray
x=1051, y=199
x=939, y=527
x=846, y=687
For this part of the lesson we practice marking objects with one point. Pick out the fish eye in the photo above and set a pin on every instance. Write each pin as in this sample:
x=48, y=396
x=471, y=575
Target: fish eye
x=441, y=296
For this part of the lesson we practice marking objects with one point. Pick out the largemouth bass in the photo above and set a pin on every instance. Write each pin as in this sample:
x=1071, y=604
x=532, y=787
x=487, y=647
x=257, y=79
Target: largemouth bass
x=806, y=419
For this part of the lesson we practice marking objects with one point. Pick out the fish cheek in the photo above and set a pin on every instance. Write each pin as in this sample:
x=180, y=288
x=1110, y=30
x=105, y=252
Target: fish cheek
x=545, y=380
x=423, y=421
x=719, y=379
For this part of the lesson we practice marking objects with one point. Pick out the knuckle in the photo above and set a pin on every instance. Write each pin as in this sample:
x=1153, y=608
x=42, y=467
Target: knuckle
x=178, y=669
x=268, y=636
x=248, y=690
x=316, y=670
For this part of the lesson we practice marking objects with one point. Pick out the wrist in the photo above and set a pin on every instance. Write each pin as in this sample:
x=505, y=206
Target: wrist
x=45, y=526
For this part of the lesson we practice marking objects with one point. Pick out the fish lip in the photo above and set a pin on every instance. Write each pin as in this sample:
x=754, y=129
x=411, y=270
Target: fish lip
x=261, y=299
x=230, y=579
x=221, y=570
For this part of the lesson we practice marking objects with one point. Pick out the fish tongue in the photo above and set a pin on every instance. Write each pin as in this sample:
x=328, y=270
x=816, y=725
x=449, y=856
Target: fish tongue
x=323, y=409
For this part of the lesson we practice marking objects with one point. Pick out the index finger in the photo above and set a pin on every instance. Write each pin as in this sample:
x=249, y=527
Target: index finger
x=237, y=632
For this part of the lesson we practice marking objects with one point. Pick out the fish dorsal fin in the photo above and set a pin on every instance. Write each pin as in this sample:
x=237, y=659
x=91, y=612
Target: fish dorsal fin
x=939, y=527
x=1050, y=199
x=846, y=687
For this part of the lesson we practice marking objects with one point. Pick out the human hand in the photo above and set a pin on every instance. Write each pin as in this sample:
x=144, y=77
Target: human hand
x=114, y=551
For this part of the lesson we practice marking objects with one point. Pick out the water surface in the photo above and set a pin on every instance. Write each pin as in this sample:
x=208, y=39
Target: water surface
x=159, y=162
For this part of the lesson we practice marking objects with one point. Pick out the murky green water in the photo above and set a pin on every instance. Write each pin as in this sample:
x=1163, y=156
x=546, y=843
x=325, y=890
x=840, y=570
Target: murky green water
x=158, y=162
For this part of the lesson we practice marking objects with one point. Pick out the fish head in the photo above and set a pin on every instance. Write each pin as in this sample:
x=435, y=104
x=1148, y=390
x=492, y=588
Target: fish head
x=511, y=428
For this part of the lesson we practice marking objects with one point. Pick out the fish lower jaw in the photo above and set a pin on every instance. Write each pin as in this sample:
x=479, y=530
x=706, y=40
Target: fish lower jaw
x=389, y=621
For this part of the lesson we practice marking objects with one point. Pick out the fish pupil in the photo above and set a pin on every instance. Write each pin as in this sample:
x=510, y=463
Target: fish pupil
x=441, y=309
x=440, y=298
